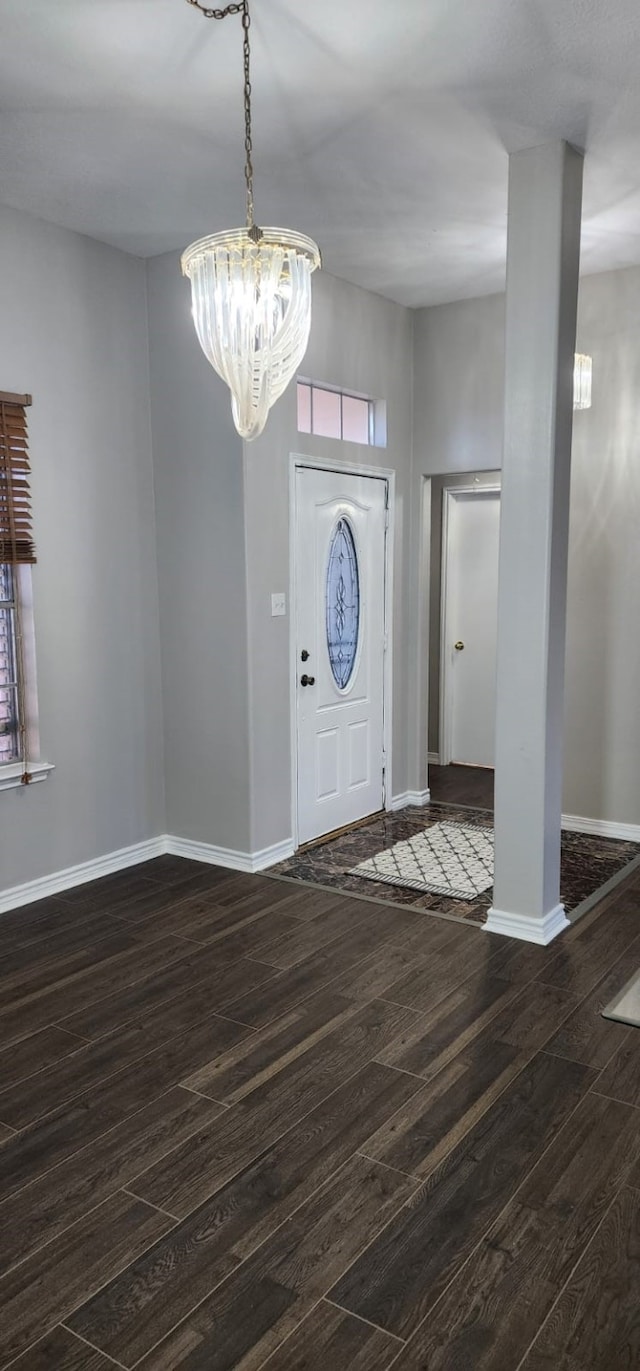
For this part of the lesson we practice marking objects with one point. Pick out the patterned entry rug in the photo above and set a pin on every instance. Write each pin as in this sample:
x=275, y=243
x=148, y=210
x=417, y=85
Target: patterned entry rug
x=447, y=859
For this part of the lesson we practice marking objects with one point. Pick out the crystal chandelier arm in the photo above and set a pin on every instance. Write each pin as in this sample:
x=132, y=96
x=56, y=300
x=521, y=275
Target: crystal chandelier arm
x=243, y=9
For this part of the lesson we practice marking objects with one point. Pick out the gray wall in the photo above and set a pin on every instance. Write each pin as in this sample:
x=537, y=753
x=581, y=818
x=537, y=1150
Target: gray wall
x=73, y=332
x=459, y=365
x=201, y=573
x=362, y=342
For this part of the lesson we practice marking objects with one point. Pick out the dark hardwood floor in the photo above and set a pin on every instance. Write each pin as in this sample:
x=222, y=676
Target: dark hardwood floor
x=248, y=1124
x=463, y=785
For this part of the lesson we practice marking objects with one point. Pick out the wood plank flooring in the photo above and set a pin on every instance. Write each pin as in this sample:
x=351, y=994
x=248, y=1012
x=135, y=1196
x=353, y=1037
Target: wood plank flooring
x=250, y=1126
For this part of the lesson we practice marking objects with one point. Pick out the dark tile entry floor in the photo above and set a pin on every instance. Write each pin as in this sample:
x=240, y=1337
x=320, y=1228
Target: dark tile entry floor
x=250, y=1126
x=587, y=862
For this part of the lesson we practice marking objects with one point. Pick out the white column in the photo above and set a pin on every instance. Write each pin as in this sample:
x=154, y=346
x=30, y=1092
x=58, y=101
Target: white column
x=543, y=248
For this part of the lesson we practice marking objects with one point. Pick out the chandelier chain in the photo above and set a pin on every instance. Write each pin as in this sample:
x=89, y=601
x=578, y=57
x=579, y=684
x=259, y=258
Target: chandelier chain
x=243, y=9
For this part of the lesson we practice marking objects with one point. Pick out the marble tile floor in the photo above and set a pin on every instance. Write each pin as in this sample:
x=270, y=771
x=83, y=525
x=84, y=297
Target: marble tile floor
x=588, y=862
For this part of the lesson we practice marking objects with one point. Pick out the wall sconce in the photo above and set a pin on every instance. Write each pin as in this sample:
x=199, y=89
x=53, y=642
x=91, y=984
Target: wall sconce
x=582, y=381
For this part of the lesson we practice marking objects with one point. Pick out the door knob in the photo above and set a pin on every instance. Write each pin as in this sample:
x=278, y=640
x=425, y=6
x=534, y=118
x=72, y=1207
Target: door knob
x=307, y=680
x=459, y=647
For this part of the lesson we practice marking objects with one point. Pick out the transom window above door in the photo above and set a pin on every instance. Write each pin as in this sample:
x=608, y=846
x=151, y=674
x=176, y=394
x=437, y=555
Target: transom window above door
x=331, y=413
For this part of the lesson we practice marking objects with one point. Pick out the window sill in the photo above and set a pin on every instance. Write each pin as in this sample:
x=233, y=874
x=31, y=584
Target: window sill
x=10, y=776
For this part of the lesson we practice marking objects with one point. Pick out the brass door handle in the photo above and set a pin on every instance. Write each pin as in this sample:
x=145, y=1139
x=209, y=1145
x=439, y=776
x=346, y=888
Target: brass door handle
x=459, y=647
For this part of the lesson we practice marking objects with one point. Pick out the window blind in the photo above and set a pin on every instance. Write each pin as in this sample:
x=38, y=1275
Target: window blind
x=16, y=539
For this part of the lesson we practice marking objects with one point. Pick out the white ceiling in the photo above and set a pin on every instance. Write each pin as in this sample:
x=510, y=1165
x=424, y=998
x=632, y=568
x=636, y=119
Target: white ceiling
x=381, y=127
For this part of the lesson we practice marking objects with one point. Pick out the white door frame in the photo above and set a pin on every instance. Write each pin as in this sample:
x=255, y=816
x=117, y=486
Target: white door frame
x=297, y=460
x=450, y=493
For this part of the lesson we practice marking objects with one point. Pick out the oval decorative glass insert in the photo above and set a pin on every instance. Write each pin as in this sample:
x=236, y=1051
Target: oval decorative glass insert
x=342, y=604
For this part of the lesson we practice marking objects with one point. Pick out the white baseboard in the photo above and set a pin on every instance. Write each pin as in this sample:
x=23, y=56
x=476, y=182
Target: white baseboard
x=514, y=926
x=523, y=926
x=433, y=758
x=79, y=875
x=602, y=828
x=410, y=797
x=59, y=881
x=249, y=862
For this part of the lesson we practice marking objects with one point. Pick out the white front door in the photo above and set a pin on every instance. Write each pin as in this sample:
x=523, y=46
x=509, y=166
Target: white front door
x=340, y=648
x=470, y=626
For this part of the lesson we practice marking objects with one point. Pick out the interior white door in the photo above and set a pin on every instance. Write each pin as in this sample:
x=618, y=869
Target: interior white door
x=340, y=648
x=471, y=623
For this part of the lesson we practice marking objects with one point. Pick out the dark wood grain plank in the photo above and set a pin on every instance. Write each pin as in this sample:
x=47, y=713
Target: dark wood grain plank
x=287, y=989
x=193, y=1172
x=23, y=974
x=585, y=1036
x=257, y=1306
x=370, y=979
x=125, y=961
x=6, y=1133
x=43, y=1290
x=37, y=922
x=39, y=1212
x=595, y=1326
x=32, y=1054
x=465, y=1085
x=308, y=902
x=465, y=785
x=424, y=987
x=400, y=1277
x=259, y=1057
x=439, y=1116
x=458, y=1018
x=96, y=1061
x=331, y=1340
x=532, y=1018
x=321, y=968
x=578, y=966
x=312, y=935
x=201, y=920
x=529, y=1253
x=61, y=1351
x=620, y=1080
x=69, y=935
x=376, y=927
x=225, y=980
x=152, y=902
x=142, y=1305
x=107, y=892
x=63, y=1132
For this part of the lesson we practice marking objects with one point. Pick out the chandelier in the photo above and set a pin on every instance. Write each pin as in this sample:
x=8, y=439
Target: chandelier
x=251, y=291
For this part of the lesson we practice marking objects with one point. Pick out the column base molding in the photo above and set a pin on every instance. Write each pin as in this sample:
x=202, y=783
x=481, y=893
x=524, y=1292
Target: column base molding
x=526, y=927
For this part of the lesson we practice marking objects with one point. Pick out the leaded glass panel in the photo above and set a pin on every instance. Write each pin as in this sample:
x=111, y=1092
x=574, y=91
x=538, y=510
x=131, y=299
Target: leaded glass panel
x=342, y=604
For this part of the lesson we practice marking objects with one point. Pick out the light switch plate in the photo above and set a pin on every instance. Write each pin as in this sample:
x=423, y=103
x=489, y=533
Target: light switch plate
x=278, y=604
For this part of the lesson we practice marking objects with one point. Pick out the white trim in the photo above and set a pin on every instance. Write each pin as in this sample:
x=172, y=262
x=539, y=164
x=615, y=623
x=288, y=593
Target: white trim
x=449, y=494
x=410, y=797
x=249, y=862
x=70, y=876
x=78, y=875
x=11, y=775
x=433, y=759
x=527, y=928
x=602, y=828
x=296, y=460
